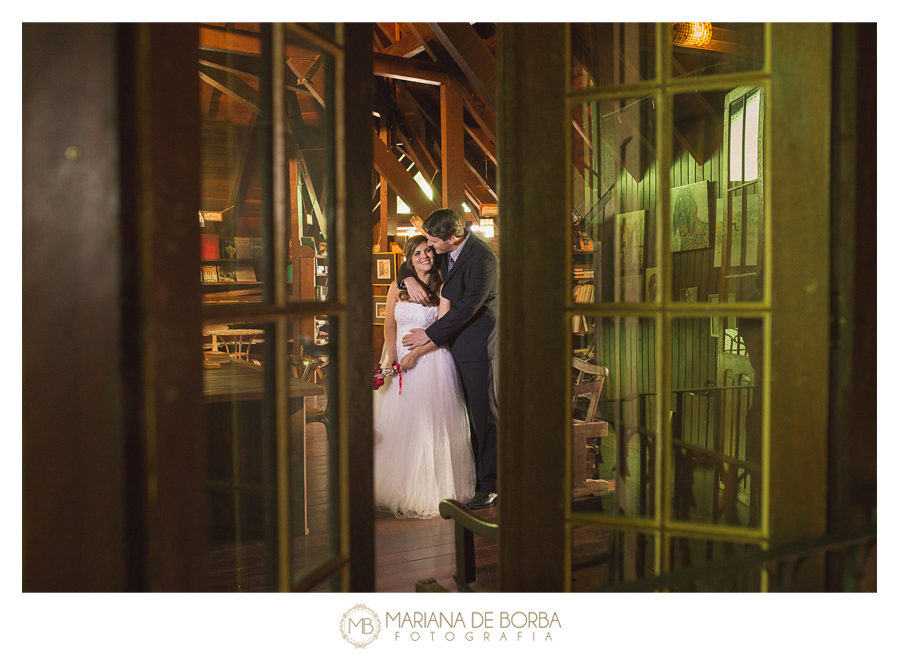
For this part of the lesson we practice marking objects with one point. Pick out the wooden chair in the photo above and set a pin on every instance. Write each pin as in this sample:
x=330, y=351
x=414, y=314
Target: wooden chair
x=466, y=525
x=588, y=385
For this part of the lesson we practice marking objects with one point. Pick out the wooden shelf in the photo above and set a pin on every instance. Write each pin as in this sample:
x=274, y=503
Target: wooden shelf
x=235, y=260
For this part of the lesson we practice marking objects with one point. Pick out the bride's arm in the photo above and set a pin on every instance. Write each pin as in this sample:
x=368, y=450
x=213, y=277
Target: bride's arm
x=410, y=359
x=390, y=323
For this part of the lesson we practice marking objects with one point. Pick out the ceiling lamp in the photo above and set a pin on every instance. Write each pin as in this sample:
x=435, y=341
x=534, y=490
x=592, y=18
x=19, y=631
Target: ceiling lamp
x=692, y=35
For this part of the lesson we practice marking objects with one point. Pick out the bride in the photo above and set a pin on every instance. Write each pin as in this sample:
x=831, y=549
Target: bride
x=423, y=453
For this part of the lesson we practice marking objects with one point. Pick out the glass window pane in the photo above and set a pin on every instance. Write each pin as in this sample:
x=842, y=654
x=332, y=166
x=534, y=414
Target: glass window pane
x=701, y=49
x=614, y=204
x=612, y=53
x=614, y=409
x=231, y=165
x=751, y=136
x=315, y=535
x=309, y=88
x=716, y=226
x=716, y=420
x=239, y=463
x=686, y=553
x=604, y=559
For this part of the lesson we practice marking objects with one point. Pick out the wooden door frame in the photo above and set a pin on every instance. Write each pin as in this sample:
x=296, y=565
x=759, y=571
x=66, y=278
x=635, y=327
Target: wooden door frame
x=534, y=360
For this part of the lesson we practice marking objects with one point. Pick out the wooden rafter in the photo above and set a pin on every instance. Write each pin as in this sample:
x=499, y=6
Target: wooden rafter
x=232, y=86
x=402, y=68
x=407, y=46
x=467, y=49
x=240, y=181
x=484, y=143
x=387, y=165
x=428, y=40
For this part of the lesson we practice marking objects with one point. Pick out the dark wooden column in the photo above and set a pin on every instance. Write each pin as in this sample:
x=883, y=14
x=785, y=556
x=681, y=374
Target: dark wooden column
x=387, y=196
x=358, y=92
x=853, y=431
x=453, y=165
x=73, y=397
x=161, y=148
x=533, y=407
x=801, y=72
x=114, y=475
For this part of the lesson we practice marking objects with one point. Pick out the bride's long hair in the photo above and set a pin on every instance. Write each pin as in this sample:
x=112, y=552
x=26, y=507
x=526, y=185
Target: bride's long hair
x=434, y=286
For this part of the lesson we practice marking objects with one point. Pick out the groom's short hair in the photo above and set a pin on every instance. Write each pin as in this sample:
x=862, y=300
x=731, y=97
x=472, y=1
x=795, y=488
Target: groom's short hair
x=444, y=223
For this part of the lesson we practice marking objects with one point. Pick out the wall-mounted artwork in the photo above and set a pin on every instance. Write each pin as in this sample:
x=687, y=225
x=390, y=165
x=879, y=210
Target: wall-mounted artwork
x=631, y=240
x=383, y=268
x=379, y=309
x=690, y=216
x=688, y=294
x=652, y=284
x=632, y=286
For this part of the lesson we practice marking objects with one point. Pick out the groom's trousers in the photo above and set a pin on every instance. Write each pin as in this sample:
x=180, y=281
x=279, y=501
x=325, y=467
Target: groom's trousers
x=479, y=382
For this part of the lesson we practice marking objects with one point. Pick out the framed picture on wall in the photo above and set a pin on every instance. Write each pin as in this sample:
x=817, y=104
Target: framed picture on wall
x=631, y=240
x=690, y=216
x=652, y=292
x=379, y=309
x=383, y=268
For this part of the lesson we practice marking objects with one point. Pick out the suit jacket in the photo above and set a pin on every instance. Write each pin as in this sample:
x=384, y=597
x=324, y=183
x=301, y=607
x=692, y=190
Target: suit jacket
x=469, y=328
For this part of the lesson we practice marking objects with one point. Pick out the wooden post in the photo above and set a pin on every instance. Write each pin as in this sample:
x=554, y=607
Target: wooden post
x=453, y=164
x=533, y=410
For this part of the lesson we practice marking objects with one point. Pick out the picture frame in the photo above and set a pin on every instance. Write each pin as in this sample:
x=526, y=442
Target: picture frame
x=652, y=292
x=384, y=268
x=379, y=309
x=631, y=240
x=689, y=220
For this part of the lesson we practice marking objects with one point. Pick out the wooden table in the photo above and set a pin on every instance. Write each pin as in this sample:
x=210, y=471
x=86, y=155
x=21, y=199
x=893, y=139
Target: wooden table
x=234, y=406
x=250, y=335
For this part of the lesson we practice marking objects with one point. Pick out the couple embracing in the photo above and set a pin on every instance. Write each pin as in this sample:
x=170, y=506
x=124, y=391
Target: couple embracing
x=436, y=421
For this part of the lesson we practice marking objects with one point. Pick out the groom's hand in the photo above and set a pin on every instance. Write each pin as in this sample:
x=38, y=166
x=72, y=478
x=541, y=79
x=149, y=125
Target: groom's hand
x=416, y=338
x=416, y=291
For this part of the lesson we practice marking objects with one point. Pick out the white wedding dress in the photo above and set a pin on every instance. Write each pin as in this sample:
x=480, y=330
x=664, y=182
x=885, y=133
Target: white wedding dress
x=423, y=453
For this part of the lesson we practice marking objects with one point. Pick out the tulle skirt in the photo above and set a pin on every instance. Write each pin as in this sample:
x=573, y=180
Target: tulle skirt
x=423, y=453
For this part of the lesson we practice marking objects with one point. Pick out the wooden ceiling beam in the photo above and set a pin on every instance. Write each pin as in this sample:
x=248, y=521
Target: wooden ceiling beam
x=402, y=68
x=482, y=177
x=387, y=166
x=483, y=115
x=483, y=141
x=407, y=46
x=468, y=50
x=232, y=86
x=404, y=93
x=430, y=43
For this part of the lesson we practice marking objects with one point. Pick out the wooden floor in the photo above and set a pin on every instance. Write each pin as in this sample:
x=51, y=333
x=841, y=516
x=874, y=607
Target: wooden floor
x=406, y=550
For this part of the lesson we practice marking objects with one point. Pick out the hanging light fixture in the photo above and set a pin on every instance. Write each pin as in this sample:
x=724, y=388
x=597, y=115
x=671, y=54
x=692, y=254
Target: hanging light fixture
x=692, y=35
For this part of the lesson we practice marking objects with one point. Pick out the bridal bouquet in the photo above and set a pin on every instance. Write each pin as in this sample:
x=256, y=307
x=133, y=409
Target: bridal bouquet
x=378, y=379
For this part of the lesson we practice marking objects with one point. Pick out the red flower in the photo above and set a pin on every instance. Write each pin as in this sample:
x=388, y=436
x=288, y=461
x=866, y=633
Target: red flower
x=378, y=380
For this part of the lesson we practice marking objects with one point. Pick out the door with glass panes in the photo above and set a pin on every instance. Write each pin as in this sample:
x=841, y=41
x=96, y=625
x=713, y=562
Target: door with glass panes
x=697, y=313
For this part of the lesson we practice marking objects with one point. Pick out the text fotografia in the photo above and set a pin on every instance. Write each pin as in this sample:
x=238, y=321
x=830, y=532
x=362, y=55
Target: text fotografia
x=478, y=626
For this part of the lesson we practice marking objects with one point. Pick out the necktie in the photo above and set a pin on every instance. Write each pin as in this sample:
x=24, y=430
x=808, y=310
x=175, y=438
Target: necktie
x=450, y=262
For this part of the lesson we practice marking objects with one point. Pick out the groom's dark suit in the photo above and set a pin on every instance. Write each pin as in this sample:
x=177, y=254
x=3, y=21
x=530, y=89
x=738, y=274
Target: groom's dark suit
x=469, y=329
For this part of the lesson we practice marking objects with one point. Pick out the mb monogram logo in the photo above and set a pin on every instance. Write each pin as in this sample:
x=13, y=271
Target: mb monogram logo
x=360, y=626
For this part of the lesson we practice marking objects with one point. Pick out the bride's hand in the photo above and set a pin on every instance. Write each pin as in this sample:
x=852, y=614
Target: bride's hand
x=409, y=361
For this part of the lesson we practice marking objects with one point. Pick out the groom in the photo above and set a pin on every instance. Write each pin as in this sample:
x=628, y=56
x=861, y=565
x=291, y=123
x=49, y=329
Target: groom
x=469, y=269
